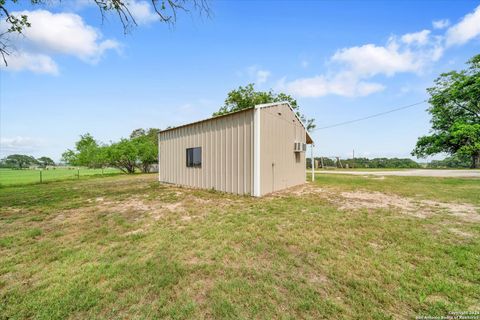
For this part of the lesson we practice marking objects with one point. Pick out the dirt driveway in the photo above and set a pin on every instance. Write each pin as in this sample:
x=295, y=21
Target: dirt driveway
x=412, y=173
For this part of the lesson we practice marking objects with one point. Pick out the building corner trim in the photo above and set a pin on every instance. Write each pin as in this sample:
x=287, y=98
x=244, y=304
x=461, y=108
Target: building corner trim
x=256, y=152
x=159, y=155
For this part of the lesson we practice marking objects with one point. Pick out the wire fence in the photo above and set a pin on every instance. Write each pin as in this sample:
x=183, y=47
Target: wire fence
x=10, y=177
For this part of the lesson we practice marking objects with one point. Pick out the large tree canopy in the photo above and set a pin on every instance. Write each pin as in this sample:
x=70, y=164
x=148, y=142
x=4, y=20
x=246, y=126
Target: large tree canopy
x=166, y=11
x=247, y=97
x=88, y=152
x=455, y=109
x=146, y=142
x=140, y=152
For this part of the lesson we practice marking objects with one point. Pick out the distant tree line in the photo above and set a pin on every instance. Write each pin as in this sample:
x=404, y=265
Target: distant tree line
x=22, y=161
x=365, y=163
x=138, y=152
x=455, y=161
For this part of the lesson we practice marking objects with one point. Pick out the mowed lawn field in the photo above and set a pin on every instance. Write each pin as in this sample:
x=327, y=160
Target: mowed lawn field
x=341, y=247
x=28, y=176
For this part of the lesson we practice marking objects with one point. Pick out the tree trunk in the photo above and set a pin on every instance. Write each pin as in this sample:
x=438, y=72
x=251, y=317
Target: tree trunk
x=476, y=161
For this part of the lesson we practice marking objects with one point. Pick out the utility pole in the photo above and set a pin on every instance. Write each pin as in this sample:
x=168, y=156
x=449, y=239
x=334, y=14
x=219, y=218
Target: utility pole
x=353, y=164
x=313, y=164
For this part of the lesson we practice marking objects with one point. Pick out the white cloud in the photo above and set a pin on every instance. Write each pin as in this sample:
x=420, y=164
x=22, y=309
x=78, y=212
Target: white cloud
x=20, y=144
x=441, y=24
x=142, y=12
x=467, y=29
x=65, y=33
x=370, y=60
x=344, y=84
x=350, y=69
x=38, y=63
x=419, y=38
x=56, y=33
x=260, y=75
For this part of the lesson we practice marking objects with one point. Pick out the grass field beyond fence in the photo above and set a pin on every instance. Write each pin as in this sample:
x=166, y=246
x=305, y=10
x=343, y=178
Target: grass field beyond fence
x=30, y=176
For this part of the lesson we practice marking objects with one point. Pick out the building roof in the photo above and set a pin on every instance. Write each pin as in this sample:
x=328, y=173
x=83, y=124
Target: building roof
x=258, y=106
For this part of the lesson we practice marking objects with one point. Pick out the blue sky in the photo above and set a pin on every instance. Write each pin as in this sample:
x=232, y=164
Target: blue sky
x=341, y=60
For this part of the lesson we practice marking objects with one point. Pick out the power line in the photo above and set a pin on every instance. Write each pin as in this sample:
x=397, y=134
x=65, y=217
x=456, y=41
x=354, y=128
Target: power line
x=371, y=116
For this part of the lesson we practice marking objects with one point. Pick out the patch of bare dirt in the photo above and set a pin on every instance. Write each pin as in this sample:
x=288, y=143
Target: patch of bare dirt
x=300, y=190
x=436, y=298
x=203, y=201
x=376, y=246
x=138, y=231
x=464, y=211
x=356, y=200
x=318, y=279
x=373, y=200
x=460, y=233
x=137, y=209
x=11, y=210
x=201, y=289
x=177, y=206
x=421, y=209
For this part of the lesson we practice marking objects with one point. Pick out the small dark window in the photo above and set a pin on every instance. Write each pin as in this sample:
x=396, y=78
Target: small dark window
x=194, y=157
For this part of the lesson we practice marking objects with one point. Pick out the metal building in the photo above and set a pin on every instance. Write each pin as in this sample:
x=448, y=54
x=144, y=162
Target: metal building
x=254, y=151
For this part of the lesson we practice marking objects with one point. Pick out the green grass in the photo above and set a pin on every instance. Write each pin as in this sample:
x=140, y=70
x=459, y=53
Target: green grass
x=363, y=169
x=386, y=169
x=128, y=247
x=31, y=176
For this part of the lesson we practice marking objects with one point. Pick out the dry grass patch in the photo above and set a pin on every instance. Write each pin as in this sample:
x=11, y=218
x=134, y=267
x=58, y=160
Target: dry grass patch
x=418, y=208
x=364, y=199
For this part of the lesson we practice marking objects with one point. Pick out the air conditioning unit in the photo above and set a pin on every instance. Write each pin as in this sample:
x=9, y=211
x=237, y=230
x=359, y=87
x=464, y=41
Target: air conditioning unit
x=299, y=147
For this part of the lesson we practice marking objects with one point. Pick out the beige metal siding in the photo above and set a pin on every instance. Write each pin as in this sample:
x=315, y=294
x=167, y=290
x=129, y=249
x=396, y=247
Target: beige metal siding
x=227, y=159
x=280, y=166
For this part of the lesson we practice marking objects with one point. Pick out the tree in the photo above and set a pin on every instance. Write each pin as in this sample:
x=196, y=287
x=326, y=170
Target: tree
x=246, y=97
x=454, y=161
x=146, y=142
x=122, y=155
x=455, y=109
x=166, y=11
x=137, y=133
x=45, y=161
x=88, y=152
x=139, y=151
x=147, y=153
x=19, y=161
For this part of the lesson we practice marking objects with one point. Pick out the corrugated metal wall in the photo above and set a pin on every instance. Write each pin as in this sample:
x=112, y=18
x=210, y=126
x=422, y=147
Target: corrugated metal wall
x=227, y=159
x=280, y=167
